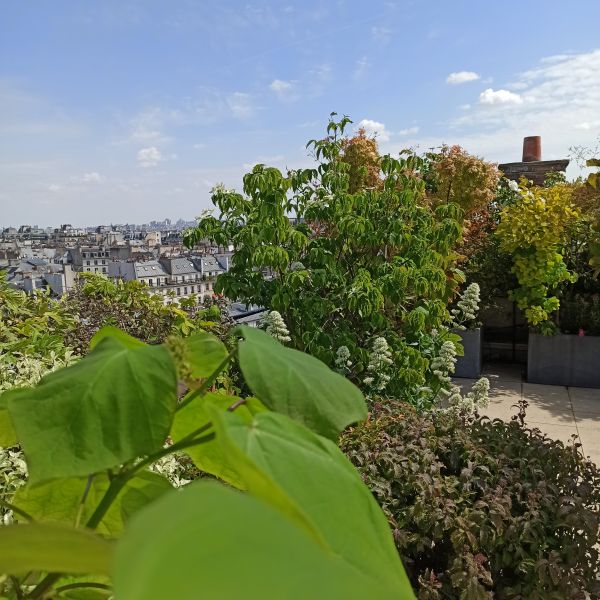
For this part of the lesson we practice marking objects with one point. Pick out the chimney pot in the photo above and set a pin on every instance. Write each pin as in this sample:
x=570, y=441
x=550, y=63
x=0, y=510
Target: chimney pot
x=532, y=148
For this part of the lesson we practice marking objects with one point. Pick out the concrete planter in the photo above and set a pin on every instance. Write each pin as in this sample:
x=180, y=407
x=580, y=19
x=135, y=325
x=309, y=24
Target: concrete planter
x=469, y=365
x=564, y=360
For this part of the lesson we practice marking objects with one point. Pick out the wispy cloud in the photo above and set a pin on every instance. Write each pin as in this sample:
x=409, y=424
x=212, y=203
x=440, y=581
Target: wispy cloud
x=381, y=34
x=241, y=106
x=459, y=77
x=149, y=157
x=284, y=90
x=409, y=131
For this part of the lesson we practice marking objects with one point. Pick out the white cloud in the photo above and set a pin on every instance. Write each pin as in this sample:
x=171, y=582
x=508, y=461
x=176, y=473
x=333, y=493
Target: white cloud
x=493, y=97
x=240, y=105
x=93, y=177
x=53, y=187
x=199, y=146
x=283, y=89
x=375, y=128
x=459, y=77
x=149, y=157
x=409, y=131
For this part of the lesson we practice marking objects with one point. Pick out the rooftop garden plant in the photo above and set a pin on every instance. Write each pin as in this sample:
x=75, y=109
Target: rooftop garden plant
x=365, y=257
x=482, y=509
x=93, y=520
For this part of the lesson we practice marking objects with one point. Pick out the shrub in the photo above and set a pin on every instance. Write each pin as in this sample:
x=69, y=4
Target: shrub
x=533, y=230
x=482, y=508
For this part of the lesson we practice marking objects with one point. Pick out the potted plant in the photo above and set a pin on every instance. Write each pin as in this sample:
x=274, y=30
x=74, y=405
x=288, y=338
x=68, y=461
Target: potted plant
x=545, y=232
x=464, y=319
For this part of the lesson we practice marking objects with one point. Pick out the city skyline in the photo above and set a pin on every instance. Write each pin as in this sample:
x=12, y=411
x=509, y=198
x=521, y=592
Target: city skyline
x=119, y=111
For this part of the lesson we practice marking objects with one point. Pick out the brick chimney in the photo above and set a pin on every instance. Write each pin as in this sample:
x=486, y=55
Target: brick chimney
x=532, y=148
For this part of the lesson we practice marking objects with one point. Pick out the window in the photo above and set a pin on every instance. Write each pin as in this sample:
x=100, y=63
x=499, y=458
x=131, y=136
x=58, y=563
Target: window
x=150, y=282
x=95, y=262
x=87, y=262
x=179, y=291
x=103, y=262
x=185, y=290
x=104, y=269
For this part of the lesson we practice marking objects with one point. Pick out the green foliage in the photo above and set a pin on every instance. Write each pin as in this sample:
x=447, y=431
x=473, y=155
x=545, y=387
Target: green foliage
x=355, y=265
x=99, y=302
x=90, y=431
x=532, y=231
x=480, y=508
x=112, y=406
x=285, y=380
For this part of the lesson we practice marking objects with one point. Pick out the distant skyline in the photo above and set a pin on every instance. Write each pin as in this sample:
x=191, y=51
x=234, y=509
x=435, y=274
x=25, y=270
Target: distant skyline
x=131, y=110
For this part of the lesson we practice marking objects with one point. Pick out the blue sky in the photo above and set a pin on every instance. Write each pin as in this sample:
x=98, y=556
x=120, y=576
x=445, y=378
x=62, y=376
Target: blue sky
x=127, y=111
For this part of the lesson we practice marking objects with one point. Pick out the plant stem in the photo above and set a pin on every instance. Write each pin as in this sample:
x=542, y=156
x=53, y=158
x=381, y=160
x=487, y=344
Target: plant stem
x=200, y=391
x=75, y=586
x=16, y=510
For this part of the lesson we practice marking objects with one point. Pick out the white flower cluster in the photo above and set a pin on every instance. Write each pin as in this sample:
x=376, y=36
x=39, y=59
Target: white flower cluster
x=342, y=360
x=380, y=362
x=444, y=363
x=477, y=398
x=467, y=307
x=275, y=326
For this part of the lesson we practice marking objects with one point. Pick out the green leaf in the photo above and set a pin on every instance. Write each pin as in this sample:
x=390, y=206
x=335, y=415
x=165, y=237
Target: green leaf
x=52, y=548
x=330, y=493
x=213, y=541
x=8, y=437
x=205, y=353
x=113, y=332
x=298, y=385
x=209, y=456
x=114, y=405
x=58, y=501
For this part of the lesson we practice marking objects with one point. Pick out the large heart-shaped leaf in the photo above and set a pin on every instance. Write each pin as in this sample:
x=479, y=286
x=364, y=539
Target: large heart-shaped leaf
x=49, y=547
x=204, y=353
x=115, y=404
x=211, y=541
x=209, y=456
x=317, y=477
x=298, y=385
x=59, y=500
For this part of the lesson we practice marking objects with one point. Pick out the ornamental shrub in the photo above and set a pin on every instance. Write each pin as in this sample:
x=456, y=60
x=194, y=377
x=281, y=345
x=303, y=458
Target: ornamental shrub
x=482, y=509
x=532, y=230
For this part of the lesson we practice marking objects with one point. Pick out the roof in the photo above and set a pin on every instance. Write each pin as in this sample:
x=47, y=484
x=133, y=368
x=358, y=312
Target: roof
x=151, y=268
x=207, y=264
x=178, y=266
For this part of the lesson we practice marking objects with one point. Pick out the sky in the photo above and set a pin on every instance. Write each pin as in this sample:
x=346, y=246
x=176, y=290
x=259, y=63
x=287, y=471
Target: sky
x=115, y=111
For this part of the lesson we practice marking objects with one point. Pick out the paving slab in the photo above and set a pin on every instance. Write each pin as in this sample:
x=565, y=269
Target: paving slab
x=585, y=399
x=548, y=404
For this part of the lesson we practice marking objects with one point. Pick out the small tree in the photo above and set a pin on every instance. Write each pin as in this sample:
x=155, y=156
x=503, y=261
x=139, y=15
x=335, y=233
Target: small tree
x=350, y=267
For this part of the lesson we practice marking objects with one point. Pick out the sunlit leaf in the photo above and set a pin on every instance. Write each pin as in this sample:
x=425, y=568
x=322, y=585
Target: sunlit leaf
x=298, y=385
x=115, y=404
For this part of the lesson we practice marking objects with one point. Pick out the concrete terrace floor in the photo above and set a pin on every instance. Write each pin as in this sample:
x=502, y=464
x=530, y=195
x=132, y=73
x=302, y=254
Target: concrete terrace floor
x=560, y=412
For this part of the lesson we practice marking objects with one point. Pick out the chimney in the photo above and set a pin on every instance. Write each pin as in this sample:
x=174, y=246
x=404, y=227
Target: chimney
x=532, y=148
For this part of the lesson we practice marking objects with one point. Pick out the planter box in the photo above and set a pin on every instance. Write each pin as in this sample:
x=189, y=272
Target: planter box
x=469, y=365
x=564, y=360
